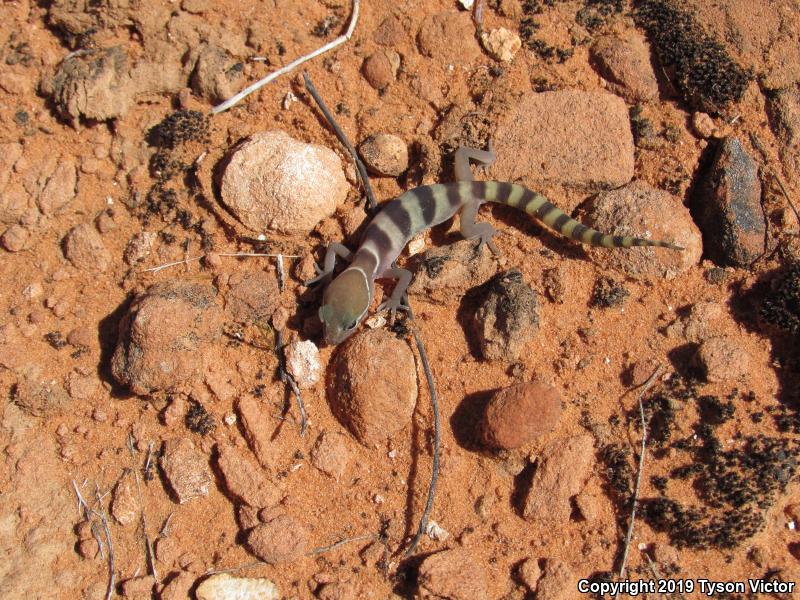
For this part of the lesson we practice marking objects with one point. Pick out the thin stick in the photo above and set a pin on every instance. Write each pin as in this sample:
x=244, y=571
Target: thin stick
x=88, y=512
x=335, y=545
x=151, y=561
x=262, y=82
x=645, y=386
x=362, y=170
x=194, y=258
x=423, y=522
x=287, y=378
x=281, y=273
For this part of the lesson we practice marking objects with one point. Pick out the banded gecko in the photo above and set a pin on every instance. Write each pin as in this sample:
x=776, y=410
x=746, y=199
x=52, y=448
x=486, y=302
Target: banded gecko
x=347, y=298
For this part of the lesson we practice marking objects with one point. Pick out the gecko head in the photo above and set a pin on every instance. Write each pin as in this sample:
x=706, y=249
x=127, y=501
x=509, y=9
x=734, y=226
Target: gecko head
x=344, y=303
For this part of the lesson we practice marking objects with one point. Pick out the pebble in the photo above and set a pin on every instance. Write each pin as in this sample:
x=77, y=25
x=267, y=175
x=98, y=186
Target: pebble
x=38, y=394
x=88, y=549
x=453, y=574
x=245, y=479
x=373, y=390
x=124, y=504
x=378, y=70
x=93, y=84
x=529, y=573
x=186, y=469
x=253, y=414
x=519, y=414
x=14, y=238
x=722, y=359
x=390, y=32
x=138, y=588
x=644, y=211
x=580, y=140
x=276, y=183
x=302, y=362
x=625, y=64
x=501, y=44
x=507, y=319
x=280, y=541
x=562, y=470
x=217, y=75
x=384, y=154
x=252, y=297
x=731, y=216
x=555, y=583
x=223, y=586
x=449, y=38
x=703, y=125
x=84, y=248
x=60, y=188
x=82, y=337
x=179, y=586
x=331, y=455
x=150, y=357
x=139, y=247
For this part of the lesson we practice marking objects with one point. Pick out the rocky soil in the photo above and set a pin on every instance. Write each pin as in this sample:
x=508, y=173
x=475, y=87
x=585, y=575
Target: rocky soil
x=155, y=328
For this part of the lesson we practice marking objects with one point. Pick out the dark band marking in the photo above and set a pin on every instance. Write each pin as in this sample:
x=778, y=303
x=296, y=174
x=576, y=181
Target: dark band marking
x=544, y=210
x=398, y=214
x=560, y=221
x=578, y=232
x=527, y=198
x=618, y=241
x=478, y=190
x=427, y=203
x=454, y=195
x=597, y=239
x=381, y=239
x=503, y=192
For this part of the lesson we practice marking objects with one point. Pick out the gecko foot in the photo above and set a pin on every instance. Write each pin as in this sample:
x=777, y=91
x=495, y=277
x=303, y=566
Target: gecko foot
x=392, y=306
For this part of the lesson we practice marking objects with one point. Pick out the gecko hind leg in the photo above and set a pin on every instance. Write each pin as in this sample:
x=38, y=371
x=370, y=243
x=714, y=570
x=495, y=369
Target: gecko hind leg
x=469, y=228
x=325, y=274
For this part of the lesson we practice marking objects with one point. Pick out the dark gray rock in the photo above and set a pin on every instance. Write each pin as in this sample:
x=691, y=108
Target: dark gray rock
x=730, y=213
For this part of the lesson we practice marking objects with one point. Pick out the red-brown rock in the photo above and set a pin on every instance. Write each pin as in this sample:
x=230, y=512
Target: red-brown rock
x=519, y=414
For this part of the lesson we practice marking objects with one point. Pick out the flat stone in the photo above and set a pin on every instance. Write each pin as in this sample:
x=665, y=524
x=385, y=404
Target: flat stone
x=223, y=586
x=84, y=248
x=625, y=63
x=452, y=574
x=245, y=479
x=186, y=469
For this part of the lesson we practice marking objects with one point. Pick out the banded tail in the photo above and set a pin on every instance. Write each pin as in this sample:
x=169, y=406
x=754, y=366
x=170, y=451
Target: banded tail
x=539, y=207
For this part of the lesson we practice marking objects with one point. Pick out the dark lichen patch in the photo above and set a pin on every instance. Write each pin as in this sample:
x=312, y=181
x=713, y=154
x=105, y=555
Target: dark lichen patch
x=780, y=309
x=199, y=420
x=608, y=293
x=618, y=469
x=708, y=78
x=178, y=128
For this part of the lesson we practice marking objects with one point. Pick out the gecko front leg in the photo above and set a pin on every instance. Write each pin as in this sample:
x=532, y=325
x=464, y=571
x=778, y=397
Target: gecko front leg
x=395, y=301
x=325, y=274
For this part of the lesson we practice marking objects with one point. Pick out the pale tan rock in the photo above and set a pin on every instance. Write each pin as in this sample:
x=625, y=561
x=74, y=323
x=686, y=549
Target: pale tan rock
x=186, y=469
x=223, y=586
x=85, y=249
x=302, y=361
x=385, y=154
x=501, y=44
x=124, y=503
x=276, y=183
x=331, y=455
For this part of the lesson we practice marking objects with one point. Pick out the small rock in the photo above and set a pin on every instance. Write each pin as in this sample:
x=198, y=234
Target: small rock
x=529, y=573
x=700, y=321
x=302, y=362
x=167, y=550
x=226, y=587
x=519, y=414
x=124, y=505
x=280, y=541
x=92, y=84
x=641, y=210
x=378, y=70
x=38, y=394
x=588, y=505
x=452, y=574
x=186, y=469
x=14, y=238
x=562, y=469
x=721, y=359
x=217, y=75
x=84, y=248
x=139, y=247
x=507, y=319
x=252, y=297
x=88, y=548
x=151, y=357
x=436, y=532
x=390, y=32
x=556, y=581
x=330, y=454
x=82, y=387
x=703, y=125
x=138, y=588
x=374, y=387
x=501, y=44
x=273, y=182
x=82, y=337
x=451, y=270
x=245, y=480
x=580, y=140
x=449, y=38
x=254, y=415
x=625, y=63
x=60, y=188
x=731, y=216
x=196, y=7
x=385, y=154
x=180, y=584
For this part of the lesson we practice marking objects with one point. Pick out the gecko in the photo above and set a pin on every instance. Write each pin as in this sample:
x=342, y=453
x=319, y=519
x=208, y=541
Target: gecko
x=347, y=297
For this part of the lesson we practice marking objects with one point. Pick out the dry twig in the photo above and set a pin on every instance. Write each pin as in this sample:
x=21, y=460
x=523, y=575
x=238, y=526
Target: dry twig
x=635, y=501
x=342, y=542
x=88, y=513
x=186, y=261
x=362, y=170
x=295, y=63
x=287, y=378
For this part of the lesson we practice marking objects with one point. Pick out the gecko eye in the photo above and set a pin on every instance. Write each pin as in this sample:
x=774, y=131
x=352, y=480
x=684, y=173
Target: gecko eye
x=352, y=326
